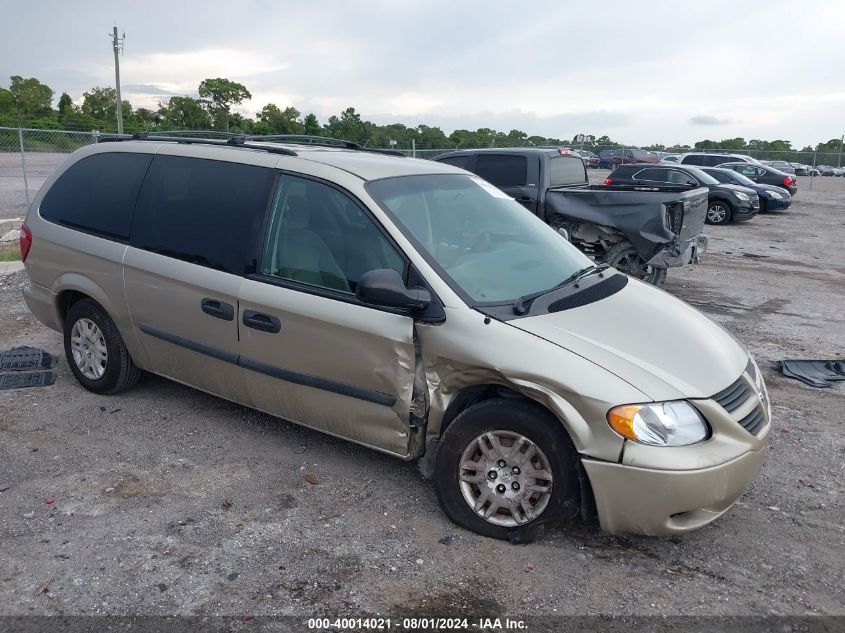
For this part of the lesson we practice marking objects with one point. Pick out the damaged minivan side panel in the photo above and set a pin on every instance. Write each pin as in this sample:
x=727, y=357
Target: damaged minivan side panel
x=566, y=384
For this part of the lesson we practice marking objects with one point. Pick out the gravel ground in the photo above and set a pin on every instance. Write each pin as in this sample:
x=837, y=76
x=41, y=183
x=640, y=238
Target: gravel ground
x=170, y=501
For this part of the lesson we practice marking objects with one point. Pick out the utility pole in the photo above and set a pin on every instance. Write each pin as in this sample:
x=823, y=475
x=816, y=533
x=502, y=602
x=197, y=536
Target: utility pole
x=839, y=160
x=117, y=45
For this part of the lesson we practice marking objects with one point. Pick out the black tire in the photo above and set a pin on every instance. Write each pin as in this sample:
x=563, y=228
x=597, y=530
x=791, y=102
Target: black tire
x=625, y=258
x=120, y=371
x=530, y=421
x=762, y=205
x=718, y=212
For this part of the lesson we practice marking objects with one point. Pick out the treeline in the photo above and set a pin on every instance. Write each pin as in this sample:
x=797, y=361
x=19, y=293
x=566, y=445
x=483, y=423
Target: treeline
x=27, y=102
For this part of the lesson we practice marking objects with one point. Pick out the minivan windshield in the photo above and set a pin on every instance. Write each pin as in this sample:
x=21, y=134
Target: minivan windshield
x=492, y=249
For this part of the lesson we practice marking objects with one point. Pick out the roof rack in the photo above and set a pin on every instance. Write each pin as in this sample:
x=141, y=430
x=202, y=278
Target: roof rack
x=237, y=141
x=322, y=141
x=242, y=140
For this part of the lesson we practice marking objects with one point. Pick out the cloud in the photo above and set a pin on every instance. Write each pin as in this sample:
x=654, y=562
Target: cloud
x=706, y=119
x=146, y=89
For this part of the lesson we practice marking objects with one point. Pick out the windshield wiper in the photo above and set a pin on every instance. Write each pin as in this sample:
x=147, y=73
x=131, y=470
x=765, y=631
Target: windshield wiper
x=523, y=303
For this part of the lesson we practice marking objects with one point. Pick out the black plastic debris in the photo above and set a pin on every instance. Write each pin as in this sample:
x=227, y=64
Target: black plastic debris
x=22, y=358
x=816, y=373
x=20, y=379
x=26, y=367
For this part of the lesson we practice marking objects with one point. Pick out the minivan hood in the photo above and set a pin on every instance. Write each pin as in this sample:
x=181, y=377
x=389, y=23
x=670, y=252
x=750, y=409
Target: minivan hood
x=659, y=344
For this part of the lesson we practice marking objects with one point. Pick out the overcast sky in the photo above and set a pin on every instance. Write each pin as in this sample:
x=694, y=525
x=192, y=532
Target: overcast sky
x=662, y=71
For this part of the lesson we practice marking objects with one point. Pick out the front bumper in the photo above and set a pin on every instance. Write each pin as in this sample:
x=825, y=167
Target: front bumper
x=665, y=502
x=745, y=211
x=682, y=253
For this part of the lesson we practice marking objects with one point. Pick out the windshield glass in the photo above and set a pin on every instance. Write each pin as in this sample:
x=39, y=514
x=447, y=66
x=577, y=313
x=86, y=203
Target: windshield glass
x=703, y=178
x=489, y=246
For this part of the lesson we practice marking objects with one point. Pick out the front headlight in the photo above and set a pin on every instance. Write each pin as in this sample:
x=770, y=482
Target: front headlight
x=675, y=423
x=742, y=196
x=774, y=195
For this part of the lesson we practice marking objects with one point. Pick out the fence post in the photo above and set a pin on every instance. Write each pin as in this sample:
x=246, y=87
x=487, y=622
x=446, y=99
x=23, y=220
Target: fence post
x=413, y=147
x=23, y=168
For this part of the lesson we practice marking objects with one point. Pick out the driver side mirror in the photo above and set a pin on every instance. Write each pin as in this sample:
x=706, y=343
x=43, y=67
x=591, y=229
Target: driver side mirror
x=384, y=287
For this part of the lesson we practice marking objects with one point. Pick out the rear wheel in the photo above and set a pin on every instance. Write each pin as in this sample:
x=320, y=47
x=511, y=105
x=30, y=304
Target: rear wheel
x=762, y=205
x=503, y=467
x=718, y=212
x=625, y=258
x=95, y=351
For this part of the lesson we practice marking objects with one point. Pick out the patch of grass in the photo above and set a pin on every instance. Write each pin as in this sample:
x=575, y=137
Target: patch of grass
x=10, y=253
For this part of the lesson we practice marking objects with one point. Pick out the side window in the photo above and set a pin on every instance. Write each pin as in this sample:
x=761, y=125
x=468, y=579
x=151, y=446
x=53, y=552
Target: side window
x=721, y=176
x=655, y=175
x=502, y=170
x=680, y=178
x=458, y=161
x=694, y=159
x=321, y=237
x=205, y=212
x=746, y=170
x=98, y=193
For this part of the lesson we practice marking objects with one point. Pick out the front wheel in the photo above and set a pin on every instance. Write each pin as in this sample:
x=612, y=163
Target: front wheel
x=718, y=213
x=503, y=467
x=625, y=258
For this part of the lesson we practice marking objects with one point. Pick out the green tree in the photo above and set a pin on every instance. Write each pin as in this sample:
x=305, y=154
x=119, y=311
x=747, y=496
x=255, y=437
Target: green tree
x=30, y=97
x=311, y=125
x=348, y=126
x=183, y=113
x=219, y=95
x=281, y=121
x=7, y=101
x=65, y=105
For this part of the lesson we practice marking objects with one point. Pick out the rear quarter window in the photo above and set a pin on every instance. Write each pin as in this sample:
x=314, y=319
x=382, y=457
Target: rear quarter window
x=97, y=194
x=566, y=170
x=205, y=212
x=457, y=161
x=502, y=170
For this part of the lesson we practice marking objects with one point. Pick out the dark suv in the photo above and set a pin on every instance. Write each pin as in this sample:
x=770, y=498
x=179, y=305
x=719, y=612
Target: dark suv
x=725, y=203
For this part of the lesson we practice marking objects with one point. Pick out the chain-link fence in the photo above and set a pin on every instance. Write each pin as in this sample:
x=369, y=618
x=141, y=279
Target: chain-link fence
x=28, y=157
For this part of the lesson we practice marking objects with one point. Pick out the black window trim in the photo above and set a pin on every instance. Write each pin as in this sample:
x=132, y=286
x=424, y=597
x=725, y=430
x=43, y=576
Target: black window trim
x=328, y=293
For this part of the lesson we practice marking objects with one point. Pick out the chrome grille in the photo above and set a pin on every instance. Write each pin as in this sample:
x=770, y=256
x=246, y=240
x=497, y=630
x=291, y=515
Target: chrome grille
x=735, y=399
x=734, y=396
x=754, y=421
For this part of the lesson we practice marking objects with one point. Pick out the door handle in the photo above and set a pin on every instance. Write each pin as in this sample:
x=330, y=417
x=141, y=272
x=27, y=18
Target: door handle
x=261, y=321
x=524, y=199
x=218, y=309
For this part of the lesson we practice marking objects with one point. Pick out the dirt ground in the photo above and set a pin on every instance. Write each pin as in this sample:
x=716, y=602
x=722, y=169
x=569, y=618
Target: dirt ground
x=170, y=501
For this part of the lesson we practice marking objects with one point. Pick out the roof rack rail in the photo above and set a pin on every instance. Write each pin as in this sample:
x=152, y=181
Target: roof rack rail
x=305, y=139
x=236, y=141
x=322, y=141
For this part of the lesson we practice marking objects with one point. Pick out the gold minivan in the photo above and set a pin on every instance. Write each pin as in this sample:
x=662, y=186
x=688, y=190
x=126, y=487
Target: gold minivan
x=405, y=305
